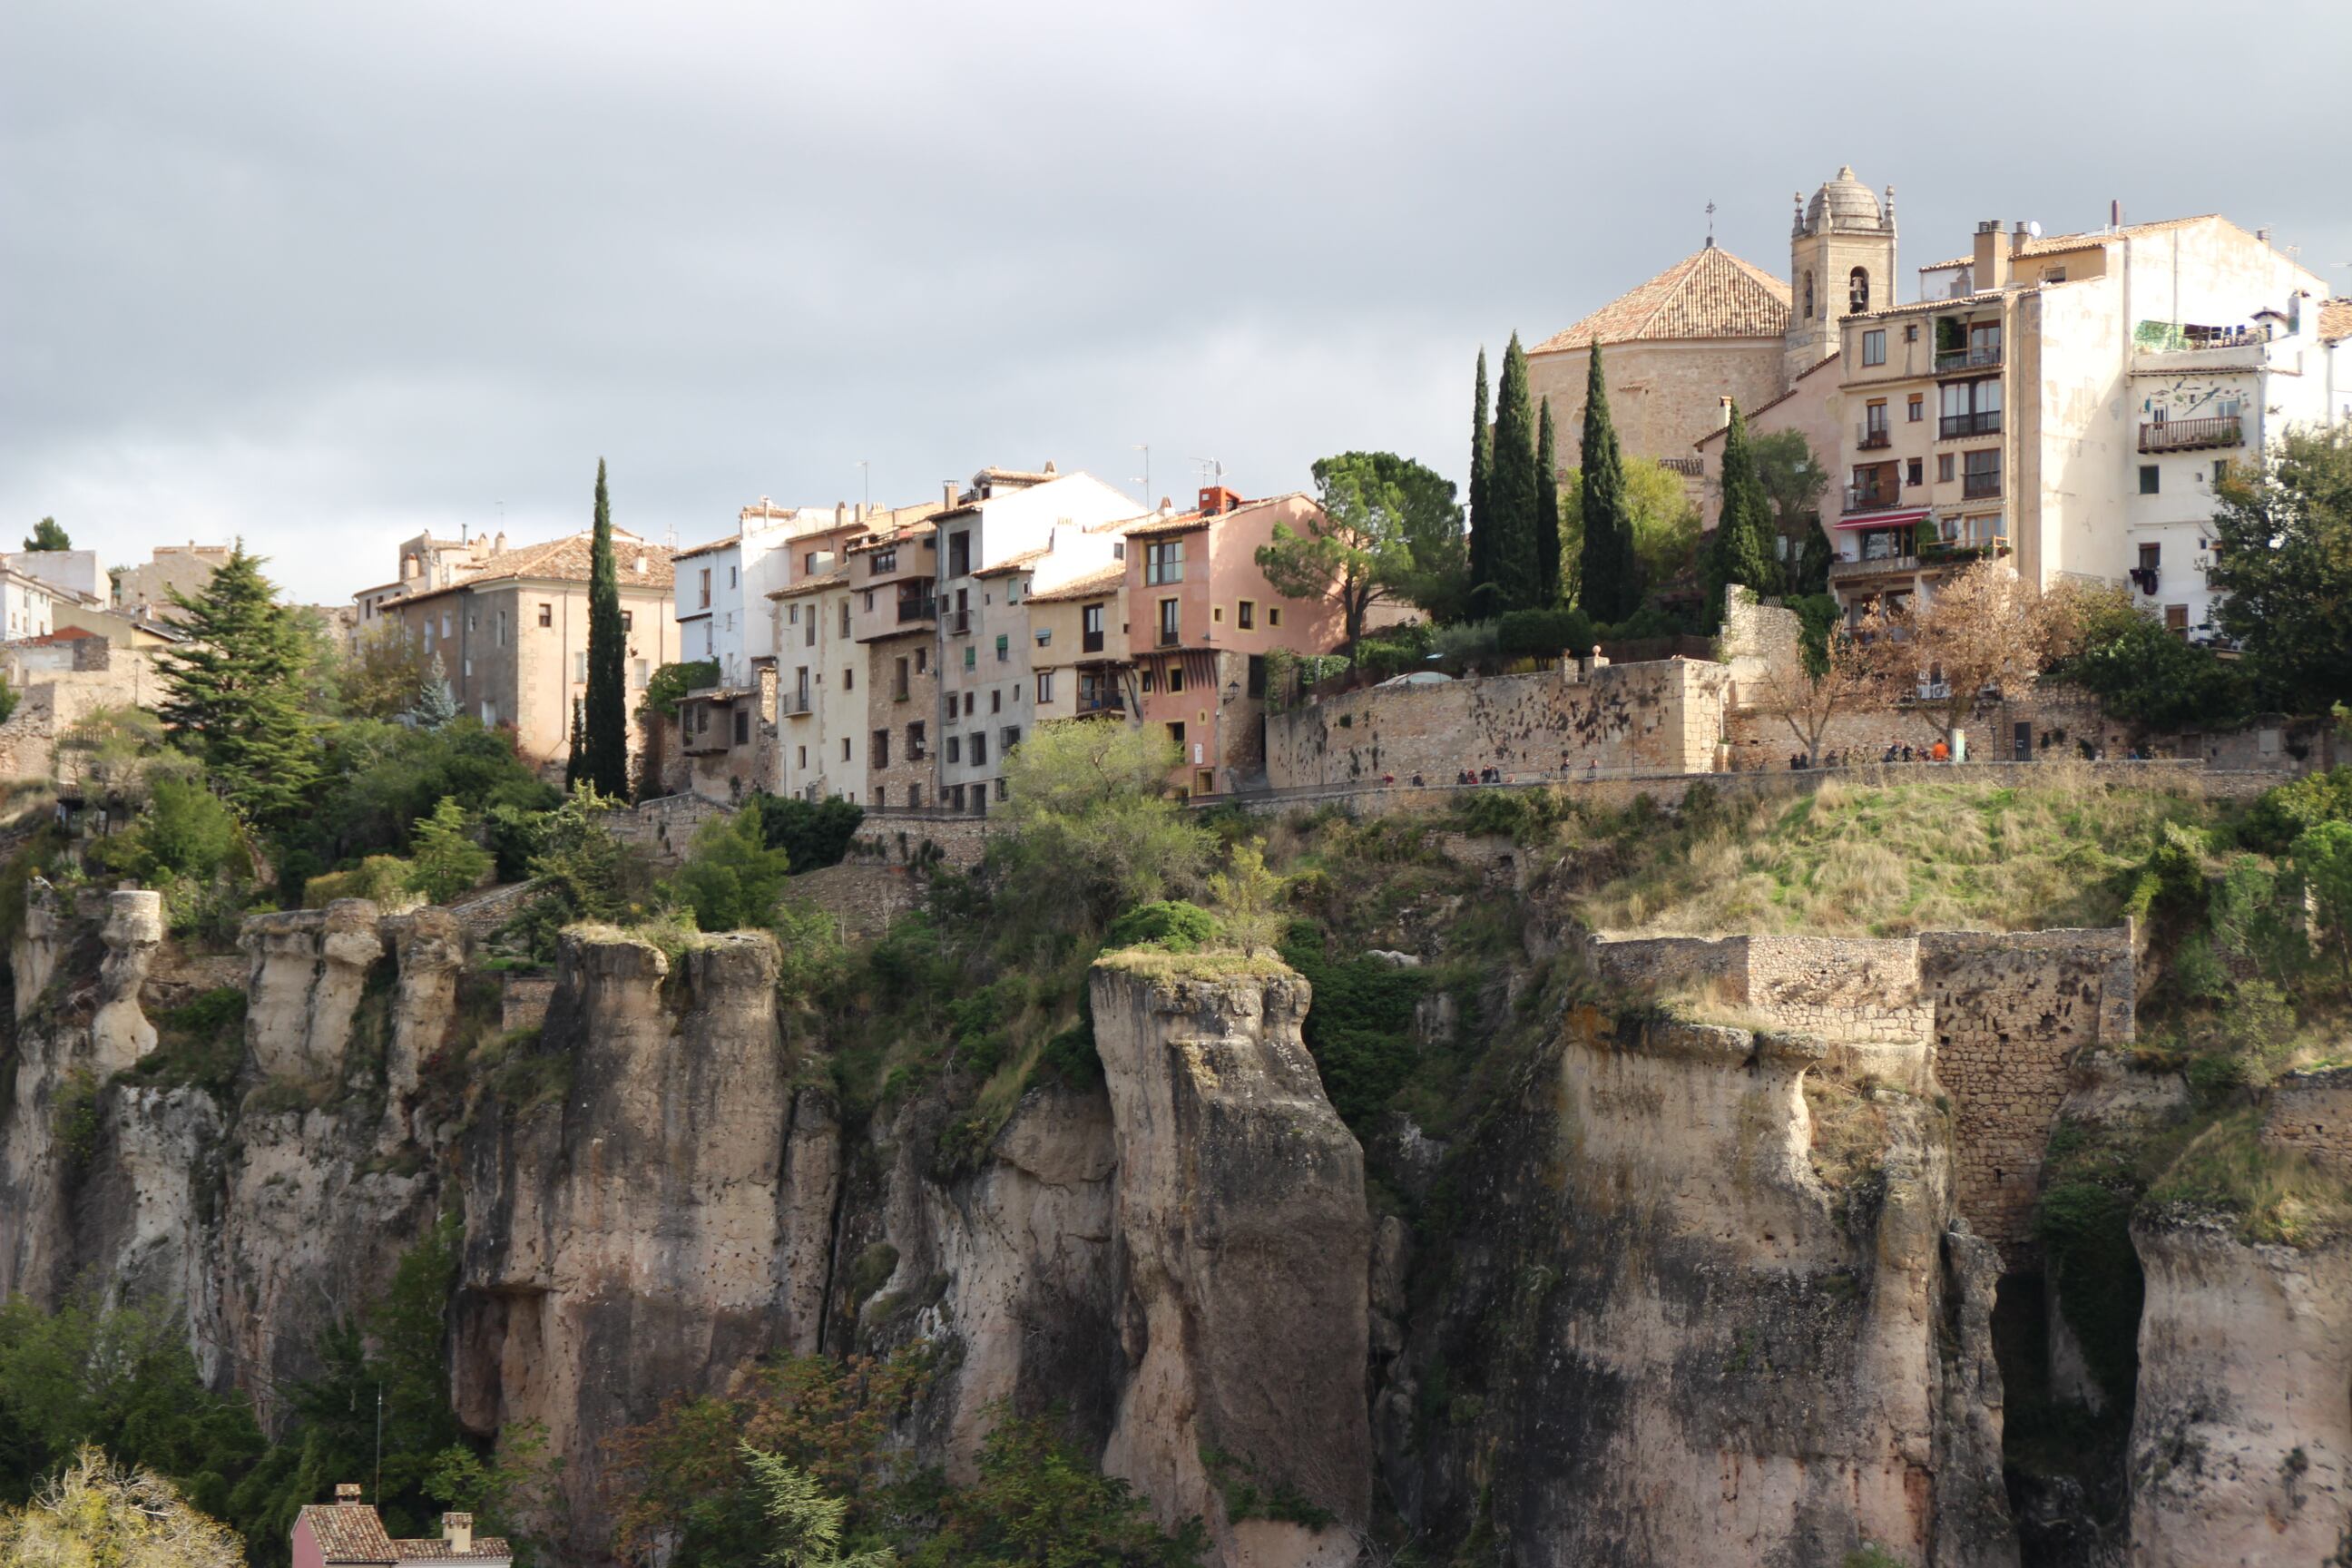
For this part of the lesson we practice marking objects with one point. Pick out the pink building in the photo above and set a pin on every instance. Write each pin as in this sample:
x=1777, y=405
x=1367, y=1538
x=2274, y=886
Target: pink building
x=350, y=1532
x=1202, y=619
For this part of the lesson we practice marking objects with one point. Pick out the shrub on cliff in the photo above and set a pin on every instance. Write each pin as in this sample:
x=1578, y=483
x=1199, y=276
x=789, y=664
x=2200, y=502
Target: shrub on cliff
x=1172, y=924
x=731, y=879
x=103, y=1513
x=445, y=861
x=814, y=834
x=1090, y=829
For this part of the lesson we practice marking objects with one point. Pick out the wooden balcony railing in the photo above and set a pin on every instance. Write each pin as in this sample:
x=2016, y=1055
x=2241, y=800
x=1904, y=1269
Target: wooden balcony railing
x=2186, y=435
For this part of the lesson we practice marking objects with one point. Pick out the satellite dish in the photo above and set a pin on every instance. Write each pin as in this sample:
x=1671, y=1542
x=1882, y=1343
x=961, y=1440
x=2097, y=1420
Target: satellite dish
x=2034, y=230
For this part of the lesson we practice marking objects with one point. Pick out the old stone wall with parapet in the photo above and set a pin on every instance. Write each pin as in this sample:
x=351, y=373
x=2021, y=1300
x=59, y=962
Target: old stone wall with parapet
x=2311, y=1112
x=1659, y=716
x=54, y=702
x=2007, y=1011
x=901, y=837
x=665, y=826
x=862, y=896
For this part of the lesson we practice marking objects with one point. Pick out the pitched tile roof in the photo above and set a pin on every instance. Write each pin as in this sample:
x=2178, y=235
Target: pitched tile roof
x=816, y=585
x=2086, y=239
x=707, y=549
x=566, y=560
x=354, y=1532
x=1093, y=585
x=1011, y=564
x=435, y=1549
x=2335, y=321
x=900, y=535
x=1709, y=293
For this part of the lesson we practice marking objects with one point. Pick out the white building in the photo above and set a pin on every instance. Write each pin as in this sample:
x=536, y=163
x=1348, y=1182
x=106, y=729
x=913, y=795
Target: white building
x=723, y=587
x=26, y=605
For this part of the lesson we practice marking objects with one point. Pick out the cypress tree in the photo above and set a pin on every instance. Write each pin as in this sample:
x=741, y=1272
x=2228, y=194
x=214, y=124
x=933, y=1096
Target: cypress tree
x=575, y=759
x=1611, y=589
x=1742, y=549
x=233, y=691
x=1548, y=509
x=604, y=726
x=1482, y=469
x=1511, y=488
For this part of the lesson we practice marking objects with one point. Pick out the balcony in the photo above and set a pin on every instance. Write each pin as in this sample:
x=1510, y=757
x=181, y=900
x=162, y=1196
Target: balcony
x=1978, y=356
x=958, y=623
x=1979, y=486
x=1090, y=642
x=1169, y=637
x=2189, y=434
x=795, y=704
x=1872, y=497
x=1872, y=438
x=1100, y=703
x=1884, y=566
x=910, y=610
x=1984, y=422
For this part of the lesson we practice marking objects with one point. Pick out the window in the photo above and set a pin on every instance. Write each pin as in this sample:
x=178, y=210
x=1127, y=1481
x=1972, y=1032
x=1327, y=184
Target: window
x=1857, y=291
x=1013, y=590
x=1044, y=637
x=742, y=727
x=1245, y=615
x=703, y=602
x=1274, y=615
x=955, y=748
x=967, y=702
x=1943, y=468
x=848, y=677
x=1168, y=623
x=1008, y=738
x=914, y=752
x=2151, y=557
x=2054, y=275
x=883, y=563
x=804, y=762
x=638, y=674
x=1046, y=686
x=2220, y=469
x=915, y=797
x=1874, y=423
x=1003, y=647
x=734, y=576
x=2176, y=620
x=1217, y=614
x=546, y=614
x=844, y=748
x=899, y=682
x=955, y=797
x=996, y=700
x=1090, y=629
x=971, y=656
x=1916, y=409
x=1911, y=333
x=1873, y=346
x=2148, y=478
x=1175, y=678
x=808, y=564
x=499, y=628
x=629, y=620
x=1163, y=562
x=922, y=661
x=845, y=614
x=959, y=554
x=1915, y=471
x=578, y=669
x=1145, y=677
x=1981, y=472
x=1176, y=731
x=881, y=796
x=979, y=749
x=1809, y=294
x=1003, y=789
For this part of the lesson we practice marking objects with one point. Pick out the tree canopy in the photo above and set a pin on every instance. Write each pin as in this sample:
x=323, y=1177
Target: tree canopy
x=1741, y=550
x=47, y=535
x=234, y=695
x=1609, y=575
x=2283, y=555
x=604, y=717
x=1388, y=529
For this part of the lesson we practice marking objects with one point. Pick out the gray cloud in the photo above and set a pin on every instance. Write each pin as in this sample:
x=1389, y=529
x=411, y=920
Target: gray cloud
x=326, y=275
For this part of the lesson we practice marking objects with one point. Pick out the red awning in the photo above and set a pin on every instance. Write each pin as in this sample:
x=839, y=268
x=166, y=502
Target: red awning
x=1884, y=518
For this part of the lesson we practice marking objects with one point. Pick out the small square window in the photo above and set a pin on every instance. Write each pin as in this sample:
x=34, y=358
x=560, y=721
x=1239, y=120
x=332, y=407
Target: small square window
x=1217, y=614
x=2150, y=479
x=628, y=620
x=1916, y=410
x=1873, y=346
x=1917, y=473
x=1245, y=615
x=1911, y=335
x=1274, y=615
x=1943, y=468
x=546, y=614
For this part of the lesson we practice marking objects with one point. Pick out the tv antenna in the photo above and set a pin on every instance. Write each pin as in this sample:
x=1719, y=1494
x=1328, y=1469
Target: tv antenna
x=1211, y=469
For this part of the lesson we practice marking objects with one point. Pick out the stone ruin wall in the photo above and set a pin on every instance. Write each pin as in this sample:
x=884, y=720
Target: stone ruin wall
x=1657, y=717
x=2007, y=1012
x=2311, y=1113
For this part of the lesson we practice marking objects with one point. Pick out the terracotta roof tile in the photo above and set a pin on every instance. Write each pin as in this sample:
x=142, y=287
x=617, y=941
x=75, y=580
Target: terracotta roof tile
x=435, y=1549
x=349, y=1532
x=1011, y=564
x=1709, y=293
x=816, y=585
x=707, y=549
x=1093, y=585
x=566, y=560
x=2086, y=239
x=2335, y=321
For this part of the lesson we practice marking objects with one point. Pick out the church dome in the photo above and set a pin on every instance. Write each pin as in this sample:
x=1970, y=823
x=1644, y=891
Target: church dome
x=1846, y=201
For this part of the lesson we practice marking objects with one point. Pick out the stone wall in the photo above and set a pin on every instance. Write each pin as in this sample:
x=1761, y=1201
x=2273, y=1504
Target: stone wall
x=2311, y=1112
x=1852, y=990
x=1658, y=717
x=899, y=837
x=862, y=896
x=666, y=826
x=54, y=702
x=2012, y=1012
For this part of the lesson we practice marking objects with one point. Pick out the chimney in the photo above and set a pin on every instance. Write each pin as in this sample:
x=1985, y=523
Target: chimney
x=458, y=1530
x=2116, y=212
x=347, y=1494
x=840, y=512
x=2263, y=234
x=2019, y=236
x=1215, y=500
x=1723, y=413
x=947, y=492
x=1991, y=263
x=1049, y=465
x=641, y=563
x=498, y=545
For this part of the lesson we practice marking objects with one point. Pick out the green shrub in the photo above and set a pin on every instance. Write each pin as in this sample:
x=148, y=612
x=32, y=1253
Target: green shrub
x=2281, y=815
x=813, y=834
x=445, y=861
x=1541, y=634
x=2085, y=1227
x=382, y=877
x=731, y=879
x=1359, y=1029
x=200, y=1043
x=185, y=831
x=1172, y=924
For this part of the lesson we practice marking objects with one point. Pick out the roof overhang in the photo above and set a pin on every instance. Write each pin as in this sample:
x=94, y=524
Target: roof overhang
x=1884, y=518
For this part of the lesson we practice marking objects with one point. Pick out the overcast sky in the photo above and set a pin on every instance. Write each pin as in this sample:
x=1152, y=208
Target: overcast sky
x=325, y=274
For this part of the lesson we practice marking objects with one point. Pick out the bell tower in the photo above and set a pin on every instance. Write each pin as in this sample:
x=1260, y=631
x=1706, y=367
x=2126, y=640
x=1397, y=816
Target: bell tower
x=1841, y=263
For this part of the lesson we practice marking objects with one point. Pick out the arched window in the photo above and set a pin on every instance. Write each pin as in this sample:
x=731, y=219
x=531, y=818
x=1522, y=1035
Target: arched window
x=1809, y=295
x=1858, y=291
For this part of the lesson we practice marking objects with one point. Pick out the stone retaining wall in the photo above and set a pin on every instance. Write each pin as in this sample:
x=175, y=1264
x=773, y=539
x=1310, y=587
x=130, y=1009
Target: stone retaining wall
x=862, y=897
x=2311, y=1112
x=899, y=837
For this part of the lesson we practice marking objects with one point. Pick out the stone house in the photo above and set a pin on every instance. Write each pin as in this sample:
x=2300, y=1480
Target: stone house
x=1079, y=667
x=347, y=1532
x=26, y=605
x=894, y=617
x=146, y=589
x=513, y=634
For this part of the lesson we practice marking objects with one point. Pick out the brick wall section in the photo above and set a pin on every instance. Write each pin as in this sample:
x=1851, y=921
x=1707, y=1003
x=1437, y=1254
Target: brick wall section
x=862, y=896
x=2311, y=1112
x=1658, y=717
x=2012, y=1010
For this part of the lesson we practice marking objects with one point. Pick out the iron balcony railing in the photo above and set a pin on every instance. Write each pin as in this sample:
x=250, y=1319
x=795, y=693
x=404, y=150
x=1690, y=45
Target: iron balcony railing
x=958, y=622
x=918, y=610
x=1100, y=703
x=1983, y=422
x=1090, y=642
x=1976, y=486
x=1870, y=498
x=1169, y=637
x=1873, y=437
x=1976, y=356
x=1885, y=565
x=2185, y=435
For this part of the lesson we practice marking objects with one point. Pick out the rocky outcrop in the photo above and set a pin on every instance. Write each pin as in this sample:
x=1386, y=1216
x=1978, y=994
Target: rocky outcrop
x=38, y=944
x=627, y=1220
x=120, y=1032
x=429, y=950
x=2241, y=1437
x=1245, y=1242
x=1671, y=1340
x=310, y=967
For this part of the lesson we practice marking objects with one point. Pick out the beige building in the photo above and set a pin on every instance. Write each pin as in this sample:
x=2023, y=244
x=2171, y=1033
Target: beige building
x=894, y=617
x=513, y=634
x=1079, y=663
x=146, y=590
x=1714, y=326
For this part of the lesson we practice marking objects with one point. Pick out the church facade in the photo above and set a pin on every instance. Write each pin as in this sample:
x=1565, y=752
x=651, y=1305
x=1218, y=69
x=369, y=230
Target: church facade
x=1714, y=326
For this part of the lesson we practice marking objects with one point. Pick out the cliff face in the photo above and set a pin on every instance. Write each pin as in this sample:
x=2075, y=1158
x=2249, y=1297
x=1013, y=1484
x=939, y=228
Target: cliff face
x=2241, y=1437
x=1666, y=1338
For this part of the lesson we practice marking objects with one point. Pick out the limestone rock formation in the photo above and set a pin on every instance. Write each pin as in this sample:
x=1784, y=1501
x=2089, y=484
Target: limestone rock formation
x=2242, y=1438
x=1245, y=1240
x=308, y=969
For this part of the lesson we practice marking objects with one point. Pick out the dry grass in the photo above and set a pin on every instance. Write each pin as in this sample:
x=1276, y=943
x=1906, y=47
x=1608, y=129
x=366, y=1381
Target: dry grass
x=1849, y=1131
x=2277, y=1195
x=1915, y=854
x=1212, y=966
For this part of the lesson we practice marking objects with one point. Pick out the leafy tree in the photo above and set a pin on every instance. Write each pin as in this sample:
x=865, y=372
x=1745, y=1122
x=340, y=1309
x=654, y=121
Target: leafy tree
x=1038, y=1501
x=1249, y=898
x=2145, y=677
x=1359, y=550
x=813, y=834
x=47, y=535
x=1513, y=556
x=1089, y=829
x=2323, y=858
x=575, y=751
x=1482, y=470
x=1664, y=524
x=1793, y=479
x=1608, y=575
x=1547, y=518
x=1741, y=551
x=1984, y=629
x=732, y=879
x=2282, y=554
x=105, y=1515
x=444, y=860
x=383, y=675
x=380, y=780
x=671, y=682
x=233, y=693
x=582, y=873
x=436, y=703
x=806, y=1524
x=604, y=723
x=185, y=831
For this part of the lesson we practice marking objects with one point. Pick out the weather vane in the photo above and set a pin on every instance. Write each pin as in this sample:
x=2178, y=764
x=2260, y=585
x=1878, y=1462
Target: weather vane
x=1711, y=223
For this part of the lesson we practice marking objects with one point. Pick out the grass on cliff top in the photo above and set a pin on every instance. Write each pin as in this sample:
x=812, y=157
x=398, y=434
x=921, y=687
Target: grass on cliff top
x=1924, y=854
x=2276, y=1195
x=1158, y=964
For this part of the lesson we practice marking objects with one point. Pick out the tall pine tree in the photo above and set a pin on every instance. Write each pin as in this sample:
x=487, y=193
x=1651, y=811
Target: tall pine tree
x=1548, y=508
x=233, y=691
x=1741, y=549
x=1482, y=470
x=605, y=720
x=1610, y=575
x=1511, y=488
